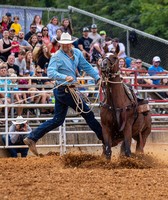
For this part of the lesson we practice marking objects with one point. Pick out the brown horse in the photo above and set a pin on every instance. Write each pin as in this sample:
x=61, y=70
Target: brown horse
x=120, y=118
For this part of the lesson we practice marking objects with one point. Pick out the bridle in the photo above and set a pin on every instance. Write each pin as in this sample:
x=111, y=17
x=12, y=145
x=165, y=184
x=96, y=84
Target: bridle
x=107, y=67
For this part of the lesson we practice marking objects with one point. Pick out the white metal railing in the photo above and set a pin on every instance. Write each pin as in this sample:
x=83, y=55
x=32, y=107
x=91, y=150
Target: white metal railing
x=62, y=130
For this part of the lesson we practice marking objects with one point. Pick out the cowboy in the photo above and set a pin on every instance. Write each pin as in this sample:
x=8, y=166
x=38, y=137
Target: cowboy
x=62, y=68
x=19, y=125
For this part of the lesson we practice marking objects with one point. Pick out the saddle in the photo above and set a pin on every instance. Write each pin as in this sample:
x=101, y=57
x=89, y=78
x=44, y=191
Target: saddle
x=143, y=105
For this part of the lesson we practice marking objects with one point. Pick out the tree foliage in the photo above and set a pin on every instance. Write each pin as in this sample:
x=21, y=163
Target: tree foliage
x=147, y=15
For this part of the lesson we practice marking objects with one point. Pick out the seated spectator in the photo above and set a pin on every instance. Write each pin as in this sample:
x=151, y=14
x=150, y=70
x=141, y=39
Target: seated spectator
x=4, y=23
x=1, y=32
x=33, y=40
x=146, y=81
x=52, y=27
x=10, y=22
x=15, y=25
x=66, y=26
x=19, y=125
x=124, y=71
x=10, y=64
x=45, y=36
x=11, y=33
x=94, y=34
x=96, y=51
x=16, y=49
x=32, y=31
x=38, y=22
x=84, y=43
x=119, y=48
x=156, y=70
x=43, y=56
x=54, y=46
x=29, y=63
x=20, y=61
x=42, y=97
x=25, y=96
x=24, y=45
x=5, y=46
x=11, y=71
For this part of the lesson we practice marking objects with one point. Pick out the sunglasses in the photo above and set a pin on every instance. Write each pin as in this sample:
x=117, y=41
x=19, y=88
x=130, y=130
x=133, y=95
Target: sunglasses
x=39, y=36
x=39, y=72
x=45, y=30
x=138, y=62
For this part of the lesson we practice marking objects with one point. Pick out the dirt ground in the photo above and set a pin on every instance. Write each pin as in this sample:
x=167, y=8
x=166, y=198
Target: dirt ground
x=86, y=177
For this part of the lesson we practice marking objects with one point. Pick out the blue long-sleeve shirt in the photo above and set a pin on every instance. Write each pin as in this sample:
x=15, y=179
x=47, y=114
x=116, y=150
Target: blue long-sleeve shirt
x=61, y=66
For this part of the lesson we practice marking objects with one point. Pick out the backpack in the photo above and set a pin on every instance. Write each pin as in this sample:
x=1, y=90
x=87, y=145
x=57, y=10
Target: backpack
x=133, y=38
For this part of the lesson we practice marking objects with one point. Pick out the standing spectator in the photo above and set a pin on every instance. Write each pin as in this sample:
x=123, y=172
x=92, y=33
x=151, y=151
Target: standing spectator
x=15, y=50
x=93, y=34
x=4, y=23
x=66, y=26
x=33, y=40
x=84, y=43
x=5, y=46
x=10, y=22
x=32, y=31
x=10, y=64
x=119, y=48
x=19, y=125
x=20, y=61
x=156, y=70
x=38, y=22
x=11, y=33
x=62, y=67
x=45, y=36
x=16, y=25
x=24, y=45
x=52, y=27
x=43, y=56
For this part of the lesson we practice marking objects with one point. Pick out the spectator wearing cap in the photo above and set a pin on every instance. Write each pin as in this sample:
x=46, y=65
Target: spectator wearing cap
x=16, y=25
x=10, y=22
x=24, y=45
x=20, y=126
x=156, y=70
x=53, y=26
x=84, y=43
x=11, y=33
x=32, y=31
x=94, y=34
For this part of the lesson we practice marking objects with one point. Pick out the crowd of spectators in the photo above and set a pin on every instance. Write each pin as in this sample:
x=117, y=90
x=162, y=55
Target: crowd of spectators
x=28, y=54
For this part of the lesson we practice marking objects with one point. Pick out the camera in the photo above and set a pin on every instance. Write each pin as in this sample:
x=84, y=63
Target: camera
x=21, y=126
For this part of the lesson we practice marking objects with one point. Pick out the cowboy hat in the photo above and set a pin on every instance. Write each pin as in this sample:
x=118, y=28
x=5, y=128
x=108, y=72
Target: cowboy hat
x=66, y=38
x=19, y=120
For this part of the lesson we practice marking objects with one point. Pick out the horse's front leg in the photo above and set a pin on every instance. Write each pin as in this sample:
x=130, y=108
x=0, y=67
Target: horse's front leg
x=107, y=142
x=126, y=145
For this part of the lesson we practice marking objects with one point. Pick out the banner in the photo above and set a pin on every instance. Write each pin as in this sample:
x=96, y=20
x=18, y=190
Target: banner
x=25, y=16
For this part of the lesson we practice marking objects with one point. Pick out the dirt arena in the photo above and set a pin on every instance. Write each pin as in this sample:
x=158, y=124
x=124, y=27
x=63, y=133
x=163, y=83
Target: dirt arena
x=86, y=176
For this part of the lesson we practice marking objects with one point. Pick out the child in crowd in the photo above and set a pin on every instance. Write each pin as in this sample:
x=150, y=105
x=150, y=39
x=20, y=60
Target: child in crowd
x=16, y=49
x=16, y=26
x=4, y=23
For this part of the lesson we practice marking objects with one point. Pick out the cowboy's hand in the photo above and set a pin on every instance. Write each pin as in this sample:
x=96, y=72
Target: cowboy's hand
x=69, y=78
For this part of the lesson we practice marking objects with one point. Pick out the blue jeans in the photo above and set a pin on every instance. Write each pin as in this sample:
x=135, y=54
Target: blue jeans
x=14, y=151
x=63, y=99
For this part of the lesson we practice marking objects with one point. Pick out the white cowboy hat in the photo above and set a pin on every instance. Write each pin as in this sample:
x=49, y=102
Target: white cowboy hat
x=19, y=120
x=66, y=38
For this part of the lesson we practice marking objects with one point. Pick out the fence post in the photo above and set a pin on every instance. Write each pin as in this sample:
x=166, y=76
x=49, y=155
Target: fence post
x=128, y=44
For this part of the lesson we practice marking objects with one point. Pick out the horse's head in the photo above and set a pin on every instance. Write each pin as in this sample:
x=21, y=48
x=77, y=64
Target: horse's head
x=109, y=65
